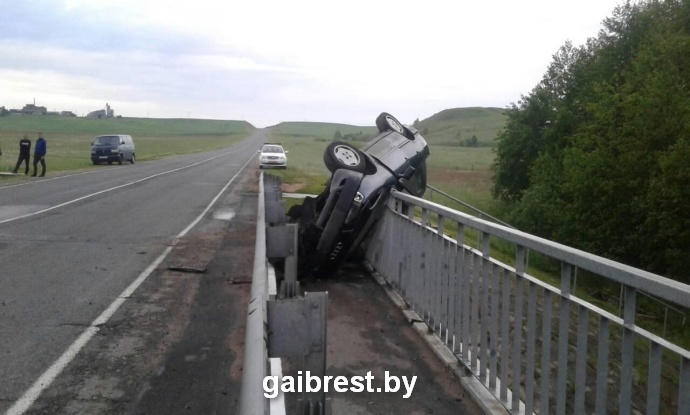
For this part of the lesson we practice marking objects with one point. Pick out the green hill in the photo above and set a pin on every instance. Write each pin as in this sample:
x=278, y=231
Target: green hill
x=457, y=126
x=323, y=131
x=451, y=127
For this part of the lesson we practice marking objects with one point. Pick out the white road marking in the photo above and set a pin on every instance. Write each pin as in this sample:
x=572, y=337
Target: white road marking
x=49, y=179
x=28, y=215
x=31, y=395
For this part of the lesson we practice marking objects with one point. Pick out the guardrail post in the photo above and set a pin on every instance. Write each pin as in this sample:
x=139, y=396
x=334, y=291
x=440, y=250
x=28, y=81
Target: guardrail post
x=315, y=360
x=297, y=328
x=282, y=243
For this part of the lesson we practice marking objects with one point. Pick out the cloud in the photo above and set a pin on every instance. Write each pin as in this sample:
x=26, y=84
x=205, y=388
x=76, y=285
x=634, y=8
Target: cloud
x=269, y=61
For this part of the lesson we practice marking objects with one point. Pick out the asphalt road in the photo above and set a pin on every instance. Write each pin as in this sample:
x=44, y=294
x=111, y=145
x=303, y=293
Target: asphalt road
x=99, y=317
x=73, y=248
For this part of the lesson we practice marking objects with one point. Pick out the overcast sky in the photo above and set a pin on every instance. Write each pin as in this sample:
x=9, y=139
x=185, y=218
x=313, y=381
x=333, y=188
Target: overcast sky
x=267, y=61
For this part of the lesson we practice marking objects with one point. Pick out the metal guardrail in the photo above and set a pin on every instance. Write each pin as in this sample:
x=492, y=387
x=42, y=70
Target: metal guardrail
x=280, y=325
x=537, y=348
x=256, y=363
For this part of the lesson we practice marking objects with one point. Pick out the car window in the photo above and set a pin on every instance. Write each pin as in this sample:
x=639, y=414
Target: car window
x=107, y=139
x=272, y=149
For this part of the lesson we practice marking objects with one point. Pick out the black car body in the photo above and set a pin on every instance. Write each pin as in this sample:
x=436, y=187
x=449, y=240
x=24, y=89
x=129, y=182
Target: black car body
x=333, y=224
x=113, y=148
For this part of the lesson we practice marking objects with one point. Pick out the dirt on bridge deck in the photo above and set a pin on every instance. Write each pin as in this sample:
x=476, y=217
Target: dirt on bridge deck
x=368, y=333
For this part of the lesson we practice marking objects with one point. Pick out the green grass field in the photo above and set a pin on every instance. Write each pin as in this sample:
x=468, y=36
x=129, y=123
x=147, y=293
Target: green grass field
x=463, y=172
x=69, y=138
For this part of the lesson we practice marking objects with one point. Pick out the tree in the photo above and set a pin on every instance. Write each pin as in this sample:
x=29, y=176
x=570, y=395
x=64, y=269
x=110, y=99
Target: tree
x=667, y=226
x=520, y=143
x=596, y=155
x=541, y=122
x=337, y=135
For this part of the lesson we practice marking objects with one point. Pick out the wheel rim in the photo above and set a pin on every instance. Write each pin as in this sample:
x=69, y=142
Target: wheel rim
x=346, y=155
x=395, y=125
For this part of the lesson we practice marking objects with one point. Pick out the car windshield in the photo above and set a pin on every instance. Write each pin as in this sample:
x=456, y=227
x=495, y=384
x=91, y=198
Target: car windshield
x=107, y=140
x=272, y=149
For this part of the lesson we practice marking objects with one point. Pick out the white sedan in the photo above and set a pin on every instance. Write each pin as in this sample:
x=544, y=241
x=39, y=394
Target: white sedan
x=272, y=155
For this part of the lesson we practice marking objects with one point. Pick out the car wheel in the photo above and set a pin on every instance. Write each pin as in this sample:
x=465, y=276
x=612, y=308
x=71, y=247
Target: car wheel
x=336, y=210
x=132, y=159
x=387, y=122
x=340, y=155
x=120, y=160
x=95, y=163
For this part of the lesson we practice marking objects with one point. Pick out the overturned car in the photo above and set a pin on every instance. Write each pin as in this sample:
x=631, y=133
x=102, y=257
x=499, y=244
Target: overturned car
x=333, y=224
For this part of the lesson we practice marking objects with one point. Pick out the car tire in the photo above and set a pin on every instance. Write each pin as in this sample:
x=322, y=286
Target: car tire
x=386, y=122
x=340, y=155
x=120, y=160
x=132, y=159
x=337, y=211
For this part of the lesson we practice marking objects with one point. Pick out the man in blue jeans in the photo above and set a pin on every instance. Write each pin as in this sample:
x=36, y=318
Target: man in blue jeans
x=40, y=154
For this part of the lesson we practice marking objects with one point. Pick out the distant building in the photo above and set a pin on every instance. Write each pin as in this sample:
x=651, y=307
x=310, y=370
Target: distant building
x=105, y=113
x=33, y=109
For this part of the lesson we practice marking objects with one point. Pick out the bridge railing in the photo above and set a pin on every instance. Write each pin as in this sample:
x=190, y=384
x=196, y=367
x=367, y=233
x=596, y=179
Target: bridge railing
x=432, y=191
x=536, y=347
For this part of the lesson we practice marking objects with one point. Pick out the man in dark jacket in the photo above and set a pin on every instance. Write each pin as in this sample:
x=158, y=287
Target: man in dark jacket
x=24, y=154
x=40, y=154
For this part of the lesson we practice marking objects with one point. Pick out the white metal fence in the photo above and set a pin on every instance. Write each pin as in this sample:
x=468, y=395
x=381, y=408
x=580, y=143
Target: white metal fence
x=537, y=347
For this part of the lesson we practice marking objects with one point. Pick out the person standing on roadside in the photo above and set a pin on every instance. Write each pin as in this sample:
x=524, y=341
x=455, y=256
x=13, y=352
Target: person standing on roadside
x=24, y=154
x=40, y=154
